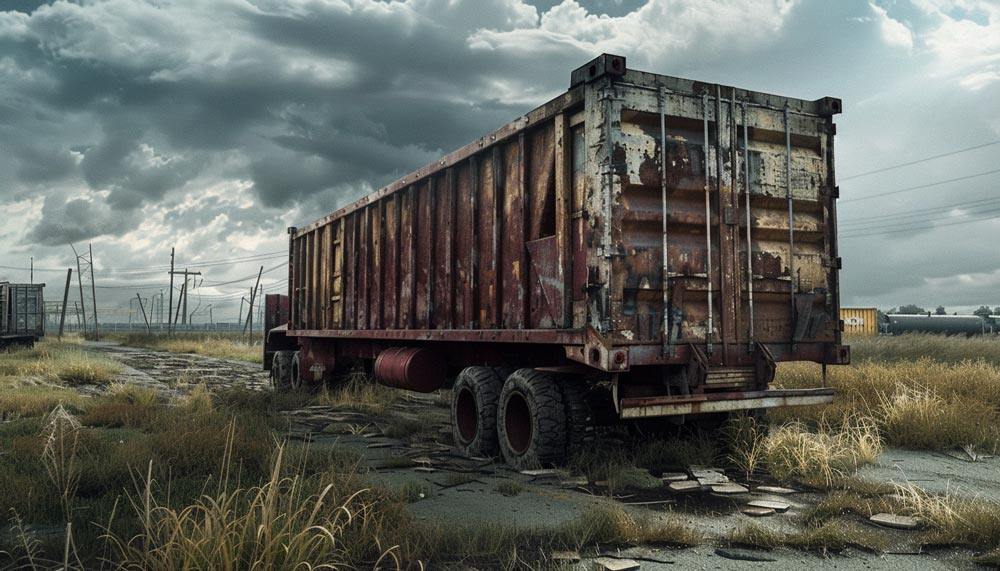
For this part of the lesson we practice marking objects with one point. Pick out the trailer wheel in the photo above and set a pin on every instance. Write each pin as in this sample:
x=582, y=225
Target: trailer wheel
x=580, y=417
x=295, y=372
x=474, y=410
x=532, y=420
x=281, y=370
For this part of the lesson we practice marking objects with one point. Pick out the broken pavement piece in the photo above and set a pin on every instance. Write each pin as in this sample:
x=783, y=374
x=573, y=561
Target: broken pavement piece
x=709, y=477
x=673, y=477
x=609, y=564
x=757, y=512
x=903, y=522
x=728, y=489
x=685, y=486
x=780, y=507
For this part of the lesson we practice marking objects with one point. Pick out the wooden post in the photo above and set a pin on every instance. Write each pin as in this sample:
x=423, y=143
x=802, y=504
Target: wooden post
x=183, y=293
x=253, y=294
x=62, y=317
x=170, y=308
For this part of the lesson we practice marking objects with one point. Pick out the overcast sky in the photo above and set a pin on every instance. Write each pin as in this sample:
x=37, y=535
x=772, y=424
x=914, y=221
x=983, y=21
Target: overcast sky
x=212, y=126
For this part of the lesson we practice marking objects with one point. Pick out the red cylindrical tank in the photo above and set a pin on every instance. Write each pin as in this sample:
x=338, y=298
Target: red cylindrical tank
x=412, y=368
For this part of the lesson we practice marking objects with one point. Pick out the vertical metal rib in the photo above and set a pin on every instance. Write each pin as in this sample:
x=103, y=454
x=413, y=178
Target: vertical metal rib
x=791, y=218
x=608, y=190
x=746, y=190
x=663, y=197
x=708, y=223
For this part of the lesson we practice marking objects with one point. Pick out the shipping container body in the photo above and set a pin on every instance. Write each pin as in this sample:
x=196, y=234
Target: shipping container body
x=967, y=325
x=677, y=236
x=860, y=321
x=22, y=313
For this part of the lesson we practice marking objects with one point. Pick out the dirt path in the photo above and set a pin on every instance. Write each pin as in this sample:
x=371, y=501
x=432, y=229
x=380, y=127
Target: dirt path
x=453, y=490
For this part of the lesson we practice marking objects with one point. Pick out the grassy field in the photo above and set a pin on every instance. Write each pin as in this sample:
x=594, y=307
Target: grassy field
x=221, y=345
x=208, y=479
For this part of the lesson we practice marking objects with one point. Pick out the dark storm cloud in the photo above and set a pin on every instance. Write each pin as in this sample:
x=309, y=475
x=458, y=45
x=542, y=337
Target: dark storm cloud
x=146, y=123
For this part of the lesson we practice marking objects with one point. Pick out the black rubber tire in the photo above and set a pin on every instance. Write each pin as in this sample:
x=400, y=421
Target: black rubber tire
x=295, y=372
x=474, y=410
x=281, y=370
x=531, y=420
x=580, y=417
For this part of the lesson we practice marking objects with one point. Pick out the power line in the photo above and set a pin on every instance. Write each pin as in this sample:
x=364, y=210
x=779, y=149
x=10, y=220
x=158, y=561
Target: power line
x=920, y=186
x=877, y=219
x=918, y=161
x=158, y=269
x=918, y=228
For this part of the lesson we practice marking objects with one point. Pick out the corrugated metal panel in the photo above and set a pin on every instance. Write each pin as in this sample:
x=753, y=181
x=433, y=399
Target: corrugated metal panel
x=551, y=228
x=860, y=320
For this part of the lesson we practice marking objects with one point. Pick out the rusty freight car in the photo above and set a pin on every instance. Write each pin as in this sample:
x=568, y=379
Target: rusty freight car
x=639, y=247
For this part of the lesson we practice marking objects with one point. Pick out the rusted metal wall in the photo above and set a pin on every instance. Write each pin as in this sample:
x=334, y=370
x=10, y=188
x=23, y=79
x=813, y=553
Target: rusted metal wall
x=860, y=320
x=553, y=228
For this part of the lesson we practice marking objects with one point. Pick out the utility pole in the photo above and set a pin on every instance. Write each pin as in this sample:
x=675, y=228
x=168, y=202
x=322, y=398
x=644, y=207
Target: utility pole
x=62, y=318
x=182, y=300
x=32, y=278
x=211, y=322
x=183, y=292
x=252, y=298
x=170, y=308
x=239, y=317
x=146, y=319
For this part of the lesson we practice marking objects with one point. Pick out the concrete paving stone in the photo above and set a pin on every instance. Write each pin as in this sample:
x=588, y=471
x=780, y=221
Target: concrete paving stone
x=774, y=490
x=673, y=477
x=895, y=521
x=609, y=564
x=729, y=489
x=753, y=511
x=685, y=486
x=780, y=507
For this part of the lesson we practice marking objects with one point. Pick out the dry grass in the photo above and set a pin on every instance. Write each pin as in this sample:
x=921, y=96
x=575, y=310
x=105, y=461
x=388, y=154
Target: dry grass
x=54, y=362
x=834, y=536
x=931, y=402
x=954, y=520
x=821, y=457
x=818, y=456
x=220, y=345
x=281, y=524
x=359, y=392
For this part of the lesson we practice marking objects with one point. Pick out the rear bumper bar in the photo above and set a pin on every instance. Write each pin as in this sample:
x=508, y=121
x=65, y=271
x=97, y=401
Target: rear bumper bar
x=721, y=402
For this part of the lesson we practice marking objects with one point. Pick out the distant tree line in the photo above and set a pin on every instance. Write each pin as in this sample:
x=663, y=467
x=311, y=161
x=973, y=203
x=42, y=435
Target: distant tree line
x=913, y=309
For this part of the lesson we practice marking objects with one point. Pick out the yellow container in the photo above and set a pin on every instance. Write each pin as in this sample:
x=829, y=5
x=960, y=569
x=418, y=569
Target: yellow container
x=859, y=320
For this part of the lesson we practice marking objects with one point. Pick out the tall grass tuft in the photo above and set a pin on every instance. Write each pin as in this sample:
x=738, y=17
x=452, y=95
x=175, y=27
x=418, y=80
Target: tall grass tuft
x=819, y=458
x=61, y=437
x=282, y=525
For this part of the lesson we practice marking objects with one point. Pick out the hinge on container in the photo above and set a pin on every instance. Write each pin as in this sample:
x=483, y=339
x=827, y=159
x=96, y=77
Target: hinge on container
x=835, y=263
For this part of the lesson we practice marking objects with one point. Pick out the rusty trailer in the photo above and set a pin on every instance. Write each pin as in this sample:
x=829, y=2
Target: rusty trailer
x=640, y=246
